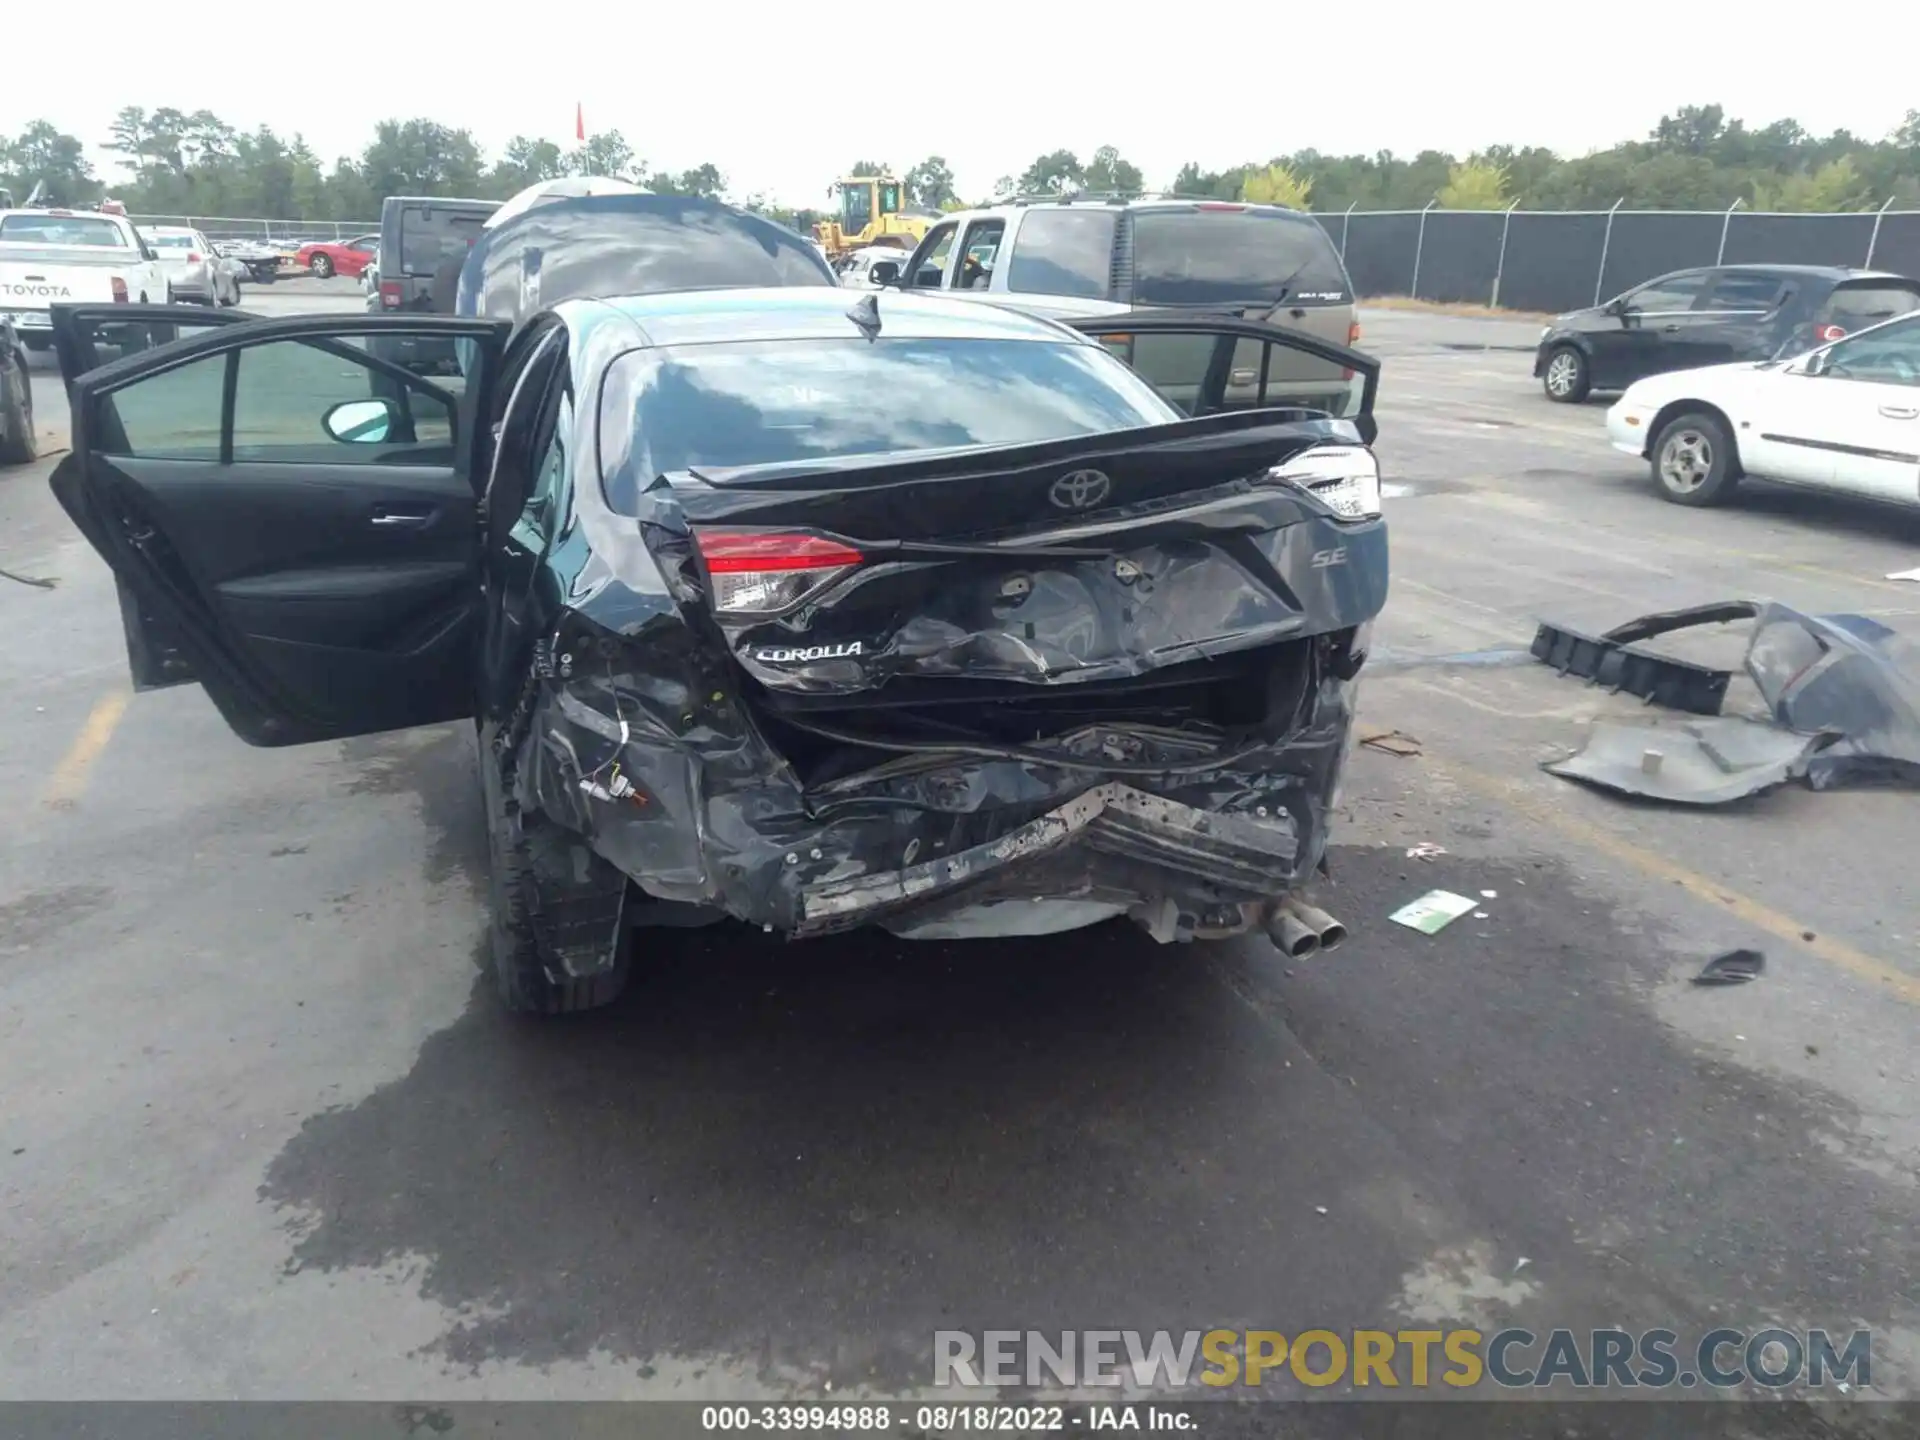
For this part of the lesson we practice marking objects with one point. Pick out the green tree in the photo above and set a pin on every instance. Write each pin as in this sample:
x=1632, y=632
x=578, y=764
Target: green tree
x=929, y=184
x=42, y=153
x=703, y=180
x=606, y=153
x=1277, y=185
x=1054, y=172
x=421, y=157
x=1107, y=173
x=1836, y=185
x=1474, y=185
x=526, y=162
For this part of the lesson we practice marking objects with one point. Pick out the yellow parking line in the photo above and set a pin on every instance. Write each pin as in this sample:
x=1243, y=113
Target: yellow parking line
x=1838, y=953
x=69, y=777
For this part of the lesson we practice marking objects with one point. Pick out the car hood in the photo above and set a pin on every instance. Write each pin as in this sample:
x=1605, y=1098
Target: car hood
x=1658, y=389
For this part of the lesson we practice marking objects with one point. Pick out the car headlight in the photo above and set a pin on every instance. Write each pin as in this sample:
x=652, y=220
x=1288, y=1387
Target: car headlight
x=1545, y=330
x=1345, y=478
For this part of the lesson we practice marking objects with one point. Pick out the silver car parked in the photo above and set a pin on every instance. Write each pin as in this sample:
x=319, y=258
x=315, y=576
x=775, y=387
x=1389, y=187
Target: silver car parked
x=195, y=272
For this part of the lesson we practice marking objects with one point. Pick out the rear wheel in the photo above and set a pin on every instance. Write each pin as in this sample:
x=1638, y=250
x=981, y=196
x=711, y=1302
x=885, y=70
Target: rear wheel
x=321, y=267
x=18, y=443
x=1566, y=379
x=1694, y=461
x=519, y=968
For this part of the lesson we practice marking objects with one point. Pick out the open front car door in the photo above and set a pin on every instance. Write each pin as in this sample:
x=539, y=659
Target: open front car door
x=1207, y=364
x=290, y=517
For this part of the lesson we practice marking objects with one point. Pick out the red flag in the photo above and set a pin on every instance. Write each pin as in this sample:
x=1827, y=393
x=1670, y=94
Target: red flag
x=579, y=122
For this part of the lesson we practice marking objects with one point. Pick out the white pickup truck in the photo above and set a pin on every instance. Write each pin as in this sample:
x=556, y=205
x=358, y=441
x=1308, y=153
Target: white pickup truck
x=58, y=257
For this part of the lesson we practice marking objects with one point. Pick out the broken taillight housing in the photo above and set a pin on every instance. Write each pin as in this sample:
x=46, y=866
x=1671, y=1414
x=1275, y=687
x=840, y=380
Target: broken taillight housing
x=389, y=294
x=763, y=572
x=1344, y=478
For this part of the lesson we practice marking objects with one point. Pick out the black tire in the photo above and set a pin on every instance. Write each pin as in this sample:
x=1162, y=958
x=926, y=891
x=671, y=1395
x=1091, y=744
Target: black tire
x=519, y=971
x=320, y=267
x=19, y=445
x=1565, y=377
x=1693, y=459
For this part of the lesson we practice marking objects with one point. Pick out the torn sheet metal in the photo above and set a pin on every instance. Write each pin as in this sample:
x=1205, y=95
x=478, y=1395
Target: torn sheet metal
x=1616, y=661
x=1698, y=762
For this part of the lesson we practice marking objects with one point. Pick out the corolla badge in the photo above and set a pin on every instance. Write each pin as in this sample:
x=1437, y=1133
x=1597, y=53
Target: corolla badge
x=1080, y=489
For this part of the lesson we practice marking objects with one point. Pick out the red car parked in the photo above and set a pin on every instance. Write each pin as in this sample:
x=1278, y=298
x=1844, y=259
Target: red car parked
x=338, y=257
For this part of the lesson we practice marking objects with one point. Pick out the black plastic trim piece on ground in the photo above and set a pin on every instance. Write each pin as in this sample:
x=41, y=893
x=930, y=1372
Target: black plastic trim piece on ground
x=1611, y=659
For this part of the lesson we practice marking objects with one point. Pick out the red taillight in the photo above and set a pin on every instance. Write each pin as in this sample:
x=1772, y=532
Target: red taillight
x=760, y=572
x=1353, y=332
x=193, y=257
x=119, y=291
x=1824, y=333
x=389, y=294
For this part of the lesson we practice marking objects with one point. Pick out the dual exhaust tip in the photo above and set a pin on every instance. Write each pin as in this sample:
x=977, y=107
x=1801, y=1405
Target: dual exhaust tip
x=1298, y=929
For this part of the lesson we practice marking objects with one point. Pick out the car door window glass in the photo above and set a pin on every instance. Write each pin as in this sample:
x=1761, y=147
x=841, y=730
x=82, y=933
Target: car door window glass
x=930, y=265
x=1752, y=294
x=174, y=415
x=977, y=254
x=1258, y=373
x=1887, y=356
x=1662, y=297
x=294, y=401
x=1062, y=252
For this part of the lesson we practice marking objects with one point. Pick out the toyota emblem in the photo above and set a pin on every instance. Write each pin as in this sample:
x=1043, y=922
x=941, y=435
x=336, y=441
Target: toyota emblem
x=1080, y=489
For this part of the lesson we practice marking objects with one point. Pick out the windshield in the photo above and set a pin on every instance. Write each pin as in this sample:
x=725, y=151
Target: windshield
x=856, y=205
x=1855, y=307
x=700, y=407
x=62, y=230
x=1225, y=257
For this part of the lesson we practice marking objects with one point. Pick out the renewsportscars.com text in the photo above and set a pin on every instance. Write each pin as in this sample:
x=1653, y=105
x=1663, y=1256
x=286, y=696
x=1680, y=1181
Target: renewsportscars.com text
x=1414, y=1359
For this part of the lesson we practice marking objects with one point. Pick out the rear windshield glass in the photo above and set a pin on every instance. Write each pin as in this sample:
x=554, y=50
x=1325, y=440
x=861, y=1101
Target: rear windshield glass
x=170, y=242
x=429, y=235
x=1063, y=252
x=700, y=407
x=61, y=230
x=1854, y=307
x=1219, y=257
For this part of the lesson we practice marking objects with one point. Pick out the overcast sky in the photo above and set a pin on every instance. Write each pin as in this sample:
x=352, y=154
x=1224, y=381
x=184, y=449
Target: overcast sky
x=783, y=97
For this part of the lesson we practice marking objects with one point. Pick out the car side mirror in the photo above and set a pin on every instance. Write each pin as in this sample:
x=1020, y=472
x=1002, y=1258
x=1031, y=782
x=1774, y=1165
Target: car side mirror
x=360, y=422
x=1617, y=307
x=885, y=272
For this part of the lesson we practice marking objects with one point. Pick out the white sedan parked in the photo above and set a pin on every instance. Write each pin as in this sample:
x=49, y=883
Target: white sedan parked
x=1843, y=417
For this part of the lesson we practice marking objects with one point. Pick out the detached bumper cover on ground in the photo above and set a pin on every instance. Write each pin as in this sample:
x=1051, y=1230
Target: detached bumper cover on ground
x=1843, y=693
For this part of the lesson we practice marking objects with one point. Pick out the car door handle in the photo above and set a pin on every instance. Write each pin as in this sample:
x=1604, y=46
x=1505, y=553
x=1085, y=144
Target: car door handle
x=1669, y=329
x=1899, y=412
x=394, y=516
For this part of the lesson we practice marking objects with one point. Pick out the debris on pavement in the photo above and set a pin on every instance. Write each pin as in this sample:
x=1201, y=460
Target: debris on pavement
x=35, y=581
x=1432, y=912
x=1701, y=762
x=1392, y=742
x=1425, y=850
x=1614, y=661
x=1913, y=574
x=1842, y=694
x=1735, y=967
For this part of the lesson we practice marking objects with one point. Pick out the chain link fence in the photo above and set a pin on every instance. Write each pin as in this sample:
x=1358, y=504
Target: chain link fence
x=237, y=227
x=1563, y=260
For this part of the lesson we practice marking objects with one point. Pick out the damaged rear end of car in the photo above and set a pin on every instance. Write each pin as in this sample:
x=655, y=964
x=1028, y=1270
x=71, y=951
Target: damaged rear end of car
x=980, y=691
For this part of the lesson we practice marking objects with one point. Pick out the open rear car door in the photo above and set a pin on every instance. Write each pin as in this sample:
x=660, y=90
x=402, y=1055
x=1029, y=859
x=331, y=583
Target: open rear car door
x=1209, y=364
x=290, y=517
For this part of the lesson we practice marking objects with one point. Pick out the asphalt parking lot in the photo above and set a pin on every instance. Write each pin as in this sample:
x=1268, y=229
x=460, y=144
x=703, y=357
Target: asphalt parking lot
x=267, y=1134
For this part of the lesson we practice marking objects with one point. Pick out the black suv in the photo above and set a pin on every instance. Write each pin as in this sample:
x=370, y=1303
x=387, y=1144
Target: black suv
x=1716, y=315
x=418, y=236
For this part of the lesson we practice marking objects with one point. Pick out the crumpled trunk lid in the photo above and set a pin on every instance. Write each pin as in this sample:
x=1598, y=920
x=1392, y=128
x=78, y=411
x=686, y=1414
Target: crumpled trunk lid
x=1070, y=563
